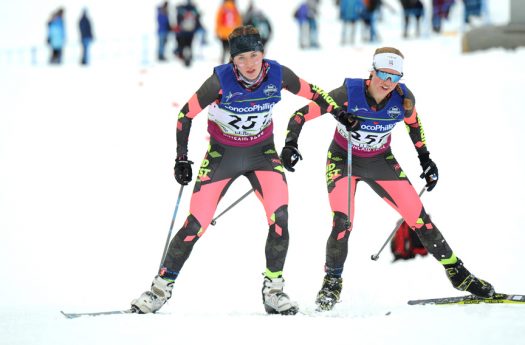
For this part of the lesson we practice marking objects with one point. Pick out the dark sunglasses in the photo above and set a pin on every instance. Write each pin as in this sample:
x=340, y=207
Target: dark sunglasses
x=385, y=76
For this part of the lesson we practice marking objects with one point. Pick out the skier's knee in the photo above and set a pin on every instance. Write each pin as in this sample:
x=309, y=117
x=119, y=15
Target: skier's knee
x=340, y=221
x=279, y=221
x=191, y=230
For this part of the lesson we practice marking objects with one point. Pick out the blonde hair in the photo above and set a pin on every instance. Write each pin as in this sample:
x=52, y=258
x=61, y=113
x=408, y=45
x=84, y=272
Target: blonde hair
x=388, y=50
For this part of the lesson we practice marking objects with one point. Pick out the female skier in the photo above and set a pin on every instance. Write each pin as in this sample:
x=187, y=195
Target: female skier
x=374, y=106
x=241, y=95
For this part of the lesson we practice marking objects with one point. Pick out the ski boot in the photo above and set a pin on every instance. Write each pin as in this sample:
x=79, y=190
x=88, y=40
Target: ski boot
x=275, y=300
x=330, y=292
x=151, y=301
x=463, y=280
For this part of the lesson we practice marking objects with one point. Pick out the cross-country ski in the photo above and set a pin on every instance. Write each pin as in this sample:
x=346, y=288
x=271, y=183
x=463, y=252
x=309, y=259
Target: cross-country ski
x=471, y=299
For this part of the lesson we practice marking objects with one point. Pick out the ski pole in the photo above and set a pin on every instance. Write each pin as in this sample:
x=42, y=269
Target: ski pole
x=213, y=221
x=171, y=226
x=349, y=176
x=376, y=256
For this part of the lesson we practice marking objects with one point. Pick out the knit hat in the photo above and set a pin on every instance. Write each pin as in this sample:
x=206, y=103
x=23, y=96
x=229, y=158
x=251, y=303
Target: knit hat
x=245, y=43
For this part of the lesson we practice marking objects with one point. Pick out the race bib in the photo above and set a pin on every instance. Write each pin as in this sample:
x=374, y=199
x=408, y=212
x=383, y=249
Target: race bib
x=365, y=140
x=238, y=124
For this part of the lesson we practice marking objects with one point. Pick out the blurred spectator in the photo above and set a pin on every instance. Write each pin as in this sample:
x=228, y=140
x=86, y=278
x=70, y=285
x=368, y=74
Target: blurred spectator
x=313, y=14
x=370, y=12
x=202, y=33
x=412, y=8
x=306, y=15
x=227, y=19
x=201, y=37
x=56, y=36
x=472, y=8
x=163, y=29
x=440, y=11
x=301, y=15
x=86, y=36
x=255, y=17
x=187, y=24
x=350, y=12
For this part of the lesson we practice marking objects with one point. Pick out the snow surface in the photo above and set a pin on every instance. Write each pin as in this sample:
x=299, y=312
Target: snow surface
x=87, y=193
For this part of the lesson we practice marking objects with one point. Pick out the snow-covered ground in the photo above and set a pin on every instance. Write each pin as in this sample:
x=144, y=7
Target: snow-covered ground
x=87, y=194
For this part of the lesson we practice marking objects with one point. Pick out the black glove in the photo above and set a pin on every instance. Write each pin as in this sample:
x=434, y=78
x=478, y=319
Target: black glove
x=290, y=155
x=183, y=170
x=349, y=120
x=430, y=171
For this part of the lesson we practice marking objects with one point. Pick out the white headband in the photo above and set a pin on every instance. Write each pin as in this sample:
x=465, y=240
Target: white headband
x=388, y=60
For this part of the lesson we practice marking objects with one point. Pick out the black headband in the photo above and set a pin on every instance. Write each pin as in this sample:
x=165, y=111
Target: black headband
x=246, y=43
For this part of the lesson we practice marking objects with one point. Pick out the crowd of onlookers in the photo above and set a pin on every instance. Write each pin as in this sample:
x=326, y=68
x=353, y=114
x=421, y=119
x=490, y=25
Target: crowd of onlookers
x=367, y=13
x=180, y=25
x=187, y=24
x=56, y=36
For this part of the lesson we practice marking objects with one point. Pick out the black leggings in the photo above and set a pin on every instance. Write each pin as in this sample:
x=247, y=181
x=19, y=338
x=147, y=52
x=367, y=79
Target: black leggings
x=220, y=167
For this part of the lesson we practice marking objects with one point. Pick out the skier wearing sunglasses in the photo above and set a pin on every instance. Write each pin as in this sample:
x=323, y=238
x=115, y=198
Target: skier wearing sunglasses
x=373, y=107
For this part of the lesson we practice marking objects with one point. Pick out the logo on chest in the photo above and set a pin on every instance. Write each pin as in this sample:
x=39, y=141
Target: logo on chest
x=270, y=90
x=393, y=112
x=231, y=95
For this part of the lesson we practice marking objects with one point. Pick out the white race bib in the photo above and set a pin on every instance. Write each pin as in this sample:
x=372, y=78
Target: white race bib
x=239, y=124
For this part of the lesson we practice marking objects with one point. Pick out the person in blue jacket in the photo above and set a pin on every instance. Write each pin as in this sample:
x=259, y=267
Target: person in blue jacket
x=56, y=37
x=350, y=12
x=301, y=14
x=163, y=30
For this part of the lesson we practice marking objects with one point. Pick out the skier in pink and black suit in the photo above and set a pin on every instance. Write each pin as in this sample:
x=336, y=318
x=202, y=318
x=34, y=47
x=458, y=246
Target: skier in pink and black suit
x=241, y=96
x=374, y=106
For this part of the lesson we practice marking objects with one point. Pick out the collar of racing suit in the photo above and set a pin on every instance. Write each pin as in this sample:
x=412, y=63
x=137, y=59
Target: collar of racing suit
x=251, y=85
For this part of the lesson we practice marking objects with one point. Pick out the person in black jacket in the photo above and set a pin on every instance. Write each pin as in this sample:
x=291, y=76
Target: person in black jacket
x=370, y=13
x=256, y=17
x=187, y=23
x=86, y=36
x=412, y=8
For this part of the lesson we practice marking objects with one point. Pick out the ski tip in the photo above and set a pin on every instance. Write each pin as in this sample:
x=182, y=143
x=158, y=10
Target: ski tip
x=67, y=315
x=99, y=313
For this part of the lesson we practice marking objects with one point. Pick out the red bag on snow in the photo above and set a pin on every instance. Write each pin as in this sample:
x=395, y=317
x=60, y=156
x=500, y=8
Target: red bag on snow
x=406, y=244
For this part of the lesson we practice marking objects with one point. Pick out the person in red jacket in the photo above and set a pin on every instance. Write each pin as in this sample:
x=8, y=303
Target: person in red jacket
x=373, y=107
